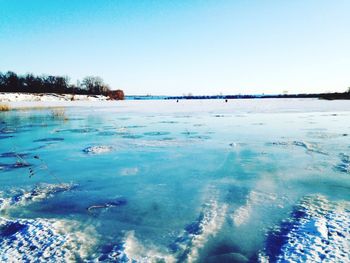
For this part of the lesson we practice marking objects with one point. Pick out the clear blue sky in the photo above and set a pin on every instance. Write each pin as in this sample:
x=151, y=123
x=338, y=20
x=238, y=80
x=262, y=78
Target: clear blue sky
x=177, y=47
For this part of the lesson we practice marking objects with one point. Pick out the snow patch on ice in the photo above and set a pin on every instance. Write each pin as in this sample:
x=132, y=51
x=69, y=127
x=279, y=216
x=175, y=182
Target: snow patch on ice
x=43, y=240
x=129, y=171
x=308, y=146
x=99, y=149
x=132, y=250
x=196, y=235
x=319, y=231
x=21, y=197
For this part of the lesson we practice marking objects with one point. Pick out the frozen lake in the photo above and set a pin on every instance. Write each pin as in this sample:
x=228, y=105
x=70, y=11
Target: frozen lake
x=161, y=181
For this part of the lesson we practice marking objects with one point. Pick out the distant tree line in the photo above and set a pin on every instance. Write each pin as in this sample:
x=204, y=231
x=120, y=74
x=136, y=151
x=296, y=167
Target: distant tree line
x=327, y=96
x=11, y=82
x=191, y=97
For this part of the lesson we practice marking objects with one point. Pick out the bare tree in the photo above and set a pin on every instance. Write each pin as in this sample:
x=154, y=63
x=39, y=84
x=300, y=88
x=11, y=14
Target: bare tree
x=93, y=84
x=11, y=82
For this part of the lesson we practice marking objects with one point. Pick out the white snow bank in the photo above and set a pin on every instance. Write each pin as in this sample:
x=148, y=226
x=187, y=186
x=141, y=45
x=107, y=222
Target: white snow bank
x=48, y=97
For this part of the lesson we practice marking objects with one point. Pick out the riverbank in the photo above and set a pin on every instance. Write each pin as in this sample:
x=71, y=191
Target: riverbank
x=6, y=97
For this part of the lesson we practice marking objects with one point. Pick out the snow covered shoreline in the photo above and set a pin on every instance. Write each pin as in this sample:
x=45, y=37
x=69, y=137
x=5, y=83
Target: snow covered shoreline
x=48, y=97
x=215, y=106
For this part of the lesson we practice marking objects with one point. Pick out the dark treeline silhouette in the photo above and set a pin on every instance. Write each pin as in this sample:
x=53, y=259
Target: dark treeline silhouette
x=327, y=96
x=336, y=96
x=245, y=96
x=11, y=82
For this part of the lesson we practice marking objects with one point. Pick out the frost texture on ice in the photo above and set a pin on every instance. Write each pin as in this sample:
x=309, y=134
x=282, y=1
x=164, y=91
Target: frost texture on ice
x=344, y=165
x=42, y=240
x=319, y=231
x=156, y=133
x=38, y=193
x=196, y=234
x=185, y=248
x=100, y=149
x=130, y=250
x=308, y=146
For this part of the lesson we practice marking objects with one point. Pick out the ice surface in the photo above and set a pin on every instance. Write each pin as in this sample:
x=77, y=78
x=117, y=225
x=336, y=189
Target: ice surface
x=242, y=214
x=199, y=181
x=197, y=106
